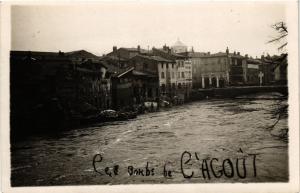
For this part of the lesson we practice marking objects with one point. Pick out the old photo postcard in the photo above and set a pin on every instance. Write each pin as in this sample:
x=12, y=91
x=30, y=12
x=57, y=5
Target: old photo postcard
x=150, y=96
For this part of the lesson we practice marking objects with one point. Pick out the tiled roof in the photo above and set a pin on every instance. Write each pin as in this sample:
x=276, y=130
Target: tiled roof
x=113, y=57
x=86, y=70
x=94, y=62
x=222, y=54
x=111, y=68
x=253, y=61
x=82, y=54
x=139, y=73
x=135, y=50
x=36, y=55
x=155, y=58
x=193, y=54
x=170, y=53
x=123, y=72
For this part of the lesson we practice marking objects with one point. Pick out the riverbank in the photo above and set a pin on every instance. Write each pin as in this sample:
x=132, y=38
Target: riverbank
x=60, y=119
x=233, y=92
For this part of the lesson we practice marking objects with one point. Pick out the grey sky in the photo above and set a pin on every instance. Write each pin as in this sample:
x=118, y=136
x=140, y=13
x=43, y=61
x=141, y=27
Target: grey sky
x=243, y=27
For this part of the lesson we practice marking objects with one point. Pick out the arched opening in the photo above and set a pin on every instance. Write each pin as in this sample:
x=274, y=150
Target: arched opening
x=214, y=82
x=206, y=81
x=221, y=83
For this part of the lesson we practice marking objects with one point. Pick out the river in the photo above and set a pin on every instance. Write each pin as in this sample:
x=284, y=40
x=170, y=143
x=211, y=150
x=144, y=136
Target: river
x=221, y=129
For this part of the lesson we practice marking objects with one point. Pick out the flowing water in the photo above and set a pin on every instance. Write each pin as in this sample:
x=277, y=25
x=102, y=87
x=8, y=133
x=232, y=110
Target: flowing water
x=221, y=129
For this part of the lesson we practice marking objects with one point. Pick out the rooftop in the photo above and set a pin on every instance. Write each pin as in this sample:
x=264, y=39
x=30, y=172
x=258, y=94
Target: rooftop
x=155, y=58
x=82, y=54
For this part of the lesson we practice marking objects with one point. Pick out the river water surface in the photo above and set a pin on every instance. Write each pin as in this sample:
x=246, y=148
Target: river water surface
x=222, y=129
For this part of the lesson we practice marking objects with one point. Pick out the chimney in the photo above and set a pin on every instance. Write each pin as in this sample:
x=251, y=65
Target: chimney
x=208, y=53
x=262, y=57
x=238, y=53
x=114, y=48
x=234, y=53
x=139, y=48
x=246, y=56
x=165, y=48
x=60, y=53
x=227, y=51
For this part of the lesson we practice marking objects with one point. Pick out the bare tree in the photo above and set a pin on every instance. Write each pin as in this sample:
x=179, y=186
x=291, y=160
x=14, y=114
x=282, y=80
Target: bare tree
x=281, y=28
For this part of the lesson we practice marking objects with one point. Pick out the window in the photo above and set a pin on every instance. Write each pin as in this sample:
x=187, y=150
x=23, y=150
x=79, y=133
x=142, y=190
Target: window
x=162, y=65
x=178, y=74
x=182, y=74
x=168, y=75
x=167, y=65
x=162, y=75
x=173, y=74
x=172, y=65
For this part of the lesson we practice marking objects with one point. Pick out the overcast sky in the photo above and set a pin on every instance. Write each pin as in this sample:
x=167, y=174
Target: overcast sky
x=98, y=27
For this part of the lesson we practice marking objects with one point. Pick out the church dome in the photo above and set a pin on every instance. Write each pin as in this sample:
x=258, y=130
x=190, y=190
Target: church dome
x=179, y=47
x=179, y=43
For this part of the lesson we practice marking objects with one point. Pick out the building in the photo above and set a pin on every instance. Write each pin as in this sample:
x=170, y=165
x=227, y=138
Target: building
x=117, y=62
x=93, y=78
x=94, y=83
x=238, y=69
x=80, y=56
x=254, y=71
x=131, y=88
x=217, y=70
x=42, y=89
x=120, y=56
x=162, y=68
x=280, y=69
x=179, y=47
x=181, y=74
x=53, y=87
x=210, y=70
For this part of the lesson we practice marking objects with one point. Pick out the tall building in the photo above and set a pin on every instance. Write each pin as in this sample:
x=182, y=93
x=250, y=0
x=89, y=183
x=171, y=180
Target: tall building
x=217, y=70
x=157, y=66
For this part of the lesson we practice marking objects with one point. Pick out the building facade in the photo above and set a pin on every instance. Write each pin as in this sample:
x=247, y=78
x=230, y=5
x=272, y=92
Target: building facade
x=181, y=72
x=94, y=84
x=217, y=70
x=131, y=88
x=163, y=68
x=254, y=71
x=55, y=87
